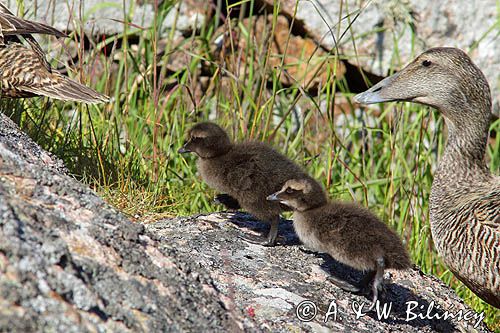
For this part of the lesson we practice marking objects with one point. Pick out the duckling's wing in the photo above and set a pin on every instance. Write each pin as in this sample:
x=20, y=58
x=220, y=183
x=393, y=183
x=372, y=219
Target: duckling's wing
x=247, y=175
x=242, y=176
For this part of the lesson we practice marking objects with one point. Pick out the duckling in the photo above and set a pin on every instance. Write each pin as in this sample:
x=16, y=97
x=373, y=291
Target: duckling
x=25, y=72
x=247, y=172
x=465, y=195
x=348, y=232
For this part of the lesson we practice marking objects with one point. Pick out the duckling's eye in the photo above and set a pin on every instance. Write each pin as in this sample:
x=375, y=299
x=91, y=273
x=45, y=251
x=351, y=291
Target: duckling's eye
x=426, y=63
x=289, y=190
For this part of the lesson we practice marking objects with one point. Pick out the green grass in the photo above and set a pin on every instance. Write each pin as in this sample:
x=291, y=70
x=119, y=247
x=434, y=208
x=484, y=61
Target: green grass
x=382, y=157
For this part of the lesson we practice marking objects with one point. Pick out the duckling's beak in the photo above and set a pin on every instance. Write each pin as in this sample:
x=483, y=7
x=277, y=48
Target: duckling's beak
x=273, y=197
x=376, y=93
x=183, y=150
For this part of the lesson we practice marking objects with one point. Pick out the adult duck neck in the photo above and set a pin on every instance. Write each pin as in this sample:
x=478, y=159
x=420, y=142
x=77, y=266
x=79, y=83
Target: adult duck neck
x=463, y=164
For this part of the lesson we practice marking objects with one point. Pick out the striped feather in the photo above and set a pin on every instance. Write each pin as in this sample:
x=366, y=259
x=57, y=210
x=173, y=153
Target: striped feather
x=13, y=25
x=466, y=232
x=24, y=74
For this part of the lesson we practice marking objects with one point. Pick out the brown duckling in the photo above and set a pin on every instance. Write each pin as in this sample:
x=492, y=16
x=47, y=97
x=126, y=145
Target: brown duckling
x=247, y=172
x=465, y=196
x=346, y=231
x=227, y=201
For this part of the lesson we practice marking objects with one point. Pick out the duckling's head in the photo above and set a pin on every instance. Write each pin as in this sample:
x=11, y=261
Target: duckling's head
x=444, y=78
x=207, y=140
x=300, y=194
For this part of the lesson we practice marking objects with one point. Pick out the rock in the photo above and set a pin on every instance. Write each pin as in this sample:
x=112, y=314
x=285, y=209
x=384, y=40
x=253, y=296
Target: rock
x=270, y=283
x=414, y=25
x=70, y=263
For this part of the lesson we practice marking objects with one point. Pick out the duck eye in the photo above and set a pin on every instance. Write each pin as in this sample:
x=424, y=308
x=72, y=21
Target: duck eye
x=426, y=63
x=289, y=190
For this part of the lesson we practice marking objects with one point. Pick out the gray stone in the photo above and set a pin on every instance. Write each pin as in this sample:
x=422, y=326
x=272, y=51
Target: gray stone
x=71, y=263
x=271, y=283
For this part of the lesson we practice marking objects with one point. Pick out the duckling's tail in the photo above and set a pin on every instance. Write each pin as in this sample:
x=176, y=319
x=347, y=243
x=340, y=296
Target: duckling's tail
x=64, y=88
x=399, y=260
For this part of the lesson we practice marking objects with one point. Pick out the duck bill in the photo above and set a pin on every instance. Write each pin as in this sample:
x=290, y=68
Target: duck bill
x=183, y=150
x=273, y=197
x=377, y=93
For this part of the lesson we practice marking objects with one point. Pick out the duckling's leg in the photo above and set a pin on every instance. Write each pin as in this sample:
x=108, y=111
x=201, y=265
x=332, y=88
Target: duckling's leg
x=227, y=201
x=377, y=281
x=270, y=239
x=273, y=232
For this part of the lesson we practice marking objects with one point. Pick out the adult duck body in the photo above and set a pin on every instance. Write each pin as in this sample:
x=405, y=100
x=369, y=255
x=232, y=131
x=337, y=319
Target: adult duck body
x=465, y=195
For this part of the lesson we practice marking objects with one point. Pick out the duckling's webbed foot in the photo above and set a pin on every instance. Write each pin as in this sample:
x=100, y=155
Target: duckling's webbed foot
x=265, y=240
x=227, y=201
x=258, y=239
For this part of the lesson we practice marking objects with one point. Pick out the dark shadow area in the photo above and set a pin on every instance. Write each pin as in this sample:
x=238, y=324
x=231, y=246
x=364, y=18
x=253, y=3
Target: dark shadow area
x=359, y=80
x=286, y=233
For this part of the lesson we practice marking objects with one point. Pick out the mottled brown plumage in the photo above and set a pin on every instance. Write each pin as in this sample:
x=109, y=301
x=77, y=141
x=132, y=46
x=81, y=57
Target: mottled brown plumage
x=348, y=232
x=465, y=196
x=247, y=171
x=25, y=72
x=11, y=25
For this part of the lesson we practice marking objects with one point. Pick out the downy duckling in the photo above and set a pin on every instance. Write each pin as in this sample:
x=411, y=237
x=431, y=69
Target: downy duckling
x=245, y=172
x=348, y=232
